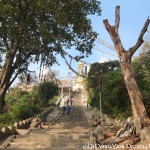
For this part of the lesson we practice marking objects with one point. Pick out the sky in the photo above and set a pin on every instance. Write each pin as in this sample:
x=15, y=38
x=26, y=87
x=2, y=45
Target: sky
x=133, y=14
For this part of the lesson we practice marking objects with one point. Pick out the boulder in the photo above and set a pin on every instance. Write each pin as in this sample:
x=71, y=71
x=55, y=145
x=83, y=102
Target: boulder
x=129, y=119
x=98, y=131
x=21, y=124
x=36, y=122
x=6, y=130
x=16, y=125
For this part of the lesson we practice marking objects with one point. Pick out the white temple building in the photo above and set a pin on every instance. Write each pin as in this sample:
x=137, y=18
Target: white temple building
x=78, y=85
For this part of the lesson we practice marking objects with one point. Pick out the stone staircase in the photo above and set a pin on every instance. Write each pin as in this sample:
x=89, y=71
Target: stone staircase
x=52, y=139
x=70, y=132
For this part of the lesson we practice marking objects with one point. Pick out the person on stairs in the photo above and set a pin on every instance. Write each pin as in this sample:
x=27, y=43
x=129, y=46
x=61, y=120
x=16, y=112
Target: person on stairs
x=68, y=108
x=63, y=109
x=71, y=101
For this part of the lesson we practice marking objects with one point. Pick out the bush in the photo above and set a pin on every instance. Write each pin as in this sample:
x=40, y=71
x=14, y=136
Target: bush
x=53, y=101
x=42, y=93
x=24, y=111
x=16, y=95
x=5, y=119
x=109, y=81
x=23, y=104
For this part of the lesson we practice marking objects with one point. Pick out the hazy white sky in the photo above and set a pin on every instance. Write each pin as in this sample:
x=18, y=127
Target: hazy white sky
x=133, y=14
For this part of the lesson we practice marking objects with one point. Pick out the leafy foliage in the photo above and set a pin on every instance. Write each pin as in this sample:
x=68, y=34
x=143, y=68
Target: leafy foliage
x=44, y=92
x=142, y=73
x=107, y=79
x=38, y=31
x=115, y=99
x=23, y=104
x=5, y=119
x=142, y=76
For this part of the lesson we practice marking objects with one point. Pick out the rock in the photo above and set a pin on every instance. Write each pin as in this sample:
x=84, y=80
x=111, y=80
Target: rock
x=94, y=123
x=129, y=119
x=6, y=130
x=107, y=128
x=117, y=122
x=16, y=125
x=98, y=131
x=12, y=129
x=100, y=138
x=36, y=122
x=22, y=131
x=145, y=134
x=109, y=121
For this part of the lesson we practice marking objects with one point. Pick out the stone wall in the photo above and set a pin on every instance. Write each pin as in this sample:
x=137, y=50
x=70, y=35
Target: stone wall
x=11, y=130
x=24, y=124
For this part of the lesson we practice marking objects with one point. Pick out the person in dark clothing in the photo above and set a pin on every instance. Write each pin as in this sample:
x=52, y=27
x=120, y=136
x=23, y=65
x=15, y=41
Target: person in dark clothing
x=28, y=78
x=58, y=104
x=71, y=101
x=67, y=101
x=68, y=108
x=63, y=109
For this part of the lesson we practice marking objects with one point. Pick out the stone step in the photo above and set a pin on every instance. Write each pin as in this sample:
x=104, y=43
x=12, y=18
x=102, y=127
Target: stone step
x=67, y=133
x=59, y=134
x=44, y=145
x=77, y=130
x=52, y=136
x=36, y=148
x=48, y=140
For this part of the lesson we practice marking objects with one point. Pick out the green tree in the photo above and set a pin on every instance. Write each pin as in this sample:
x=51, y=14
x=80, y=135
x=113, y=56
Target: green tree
x=38, y=30
x=144, y=56
x=115, y=98
x=42, y=93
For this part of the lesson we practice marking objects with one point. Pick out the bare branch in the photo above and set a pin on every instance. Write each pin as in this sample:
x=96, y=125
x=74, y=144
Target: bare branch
x=107, y=25
x=70, y=66
x=113, y=32
x=13, y=79
x=133, y=49
x=117, y=21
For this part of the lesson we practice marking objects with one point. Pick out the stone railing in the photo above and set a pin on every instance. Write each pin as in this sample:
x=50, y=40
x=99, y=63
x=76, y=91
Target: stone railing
x=11, y=130
x=24, y=124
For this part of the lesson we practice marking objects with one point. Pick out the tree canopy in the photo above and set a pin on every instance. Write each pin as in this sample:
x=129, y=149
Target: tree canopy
x=32, y=31
x=115, y=98
x=108, y=79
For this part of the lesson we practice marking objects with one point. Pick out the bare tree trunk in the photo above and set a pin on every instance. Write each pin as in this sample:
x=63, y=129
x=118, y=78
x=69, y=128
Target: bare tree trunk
x=5, y=84
x=135, y=95
x=138, y=107
x=2, y=102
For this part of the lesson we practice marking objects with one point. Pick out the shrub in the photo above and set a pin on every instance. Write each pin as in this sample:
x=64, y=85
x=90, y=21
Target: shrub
x=53, y=101
x=24, y=111
x=5, y=119
x=42, y=93
x=23, y=104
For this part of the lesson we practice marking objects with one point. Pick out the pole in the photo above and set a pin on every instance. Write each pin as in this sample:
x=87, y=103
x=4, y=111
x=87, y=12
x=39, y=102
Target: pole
x=100, y=101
